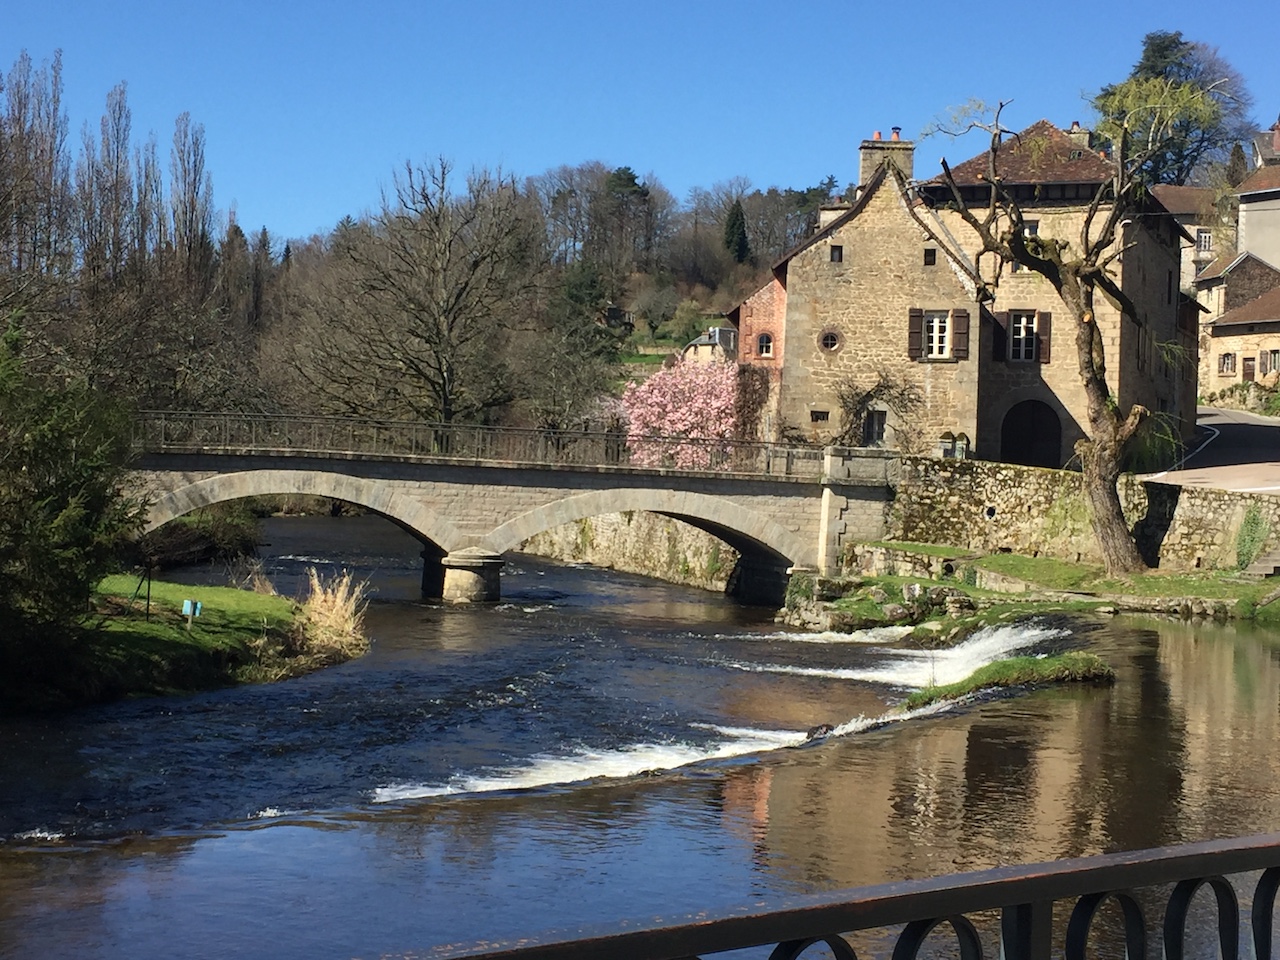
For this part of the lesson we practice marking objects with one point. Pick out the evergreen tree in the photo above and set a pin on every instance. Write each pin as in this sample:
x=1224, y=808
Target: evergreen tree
x=62, y=516
x=735, y=233
x=1196, y=142
x=1237, y=166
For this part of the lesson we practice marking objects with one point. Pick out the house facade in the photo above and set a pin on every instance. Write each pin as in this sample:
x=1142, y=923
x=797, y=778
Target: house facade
x=878, y=335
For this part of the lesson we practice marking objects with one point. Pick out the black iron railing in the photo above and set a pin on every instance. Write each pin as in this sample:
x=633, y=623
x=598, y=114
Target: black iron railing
x=166, y=432
x=1028, y=900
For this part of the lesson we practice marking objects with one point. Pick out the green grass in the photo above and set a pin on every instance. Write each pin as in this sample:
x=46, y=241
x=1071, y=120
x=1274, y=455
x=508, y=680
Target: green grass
x=240, y=637
x=647, y=358
x=927, y=549
x=1044, y=571
x=1070, y=667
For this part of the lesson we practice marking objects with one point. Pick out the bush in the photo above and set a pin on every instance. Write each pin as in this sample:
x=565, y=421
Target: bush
x=1252, y=534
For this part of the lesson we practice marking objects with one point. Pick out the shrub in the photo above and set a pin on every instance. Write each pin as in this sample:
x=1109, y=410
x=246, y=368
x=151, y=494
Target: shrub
x=1252, y=534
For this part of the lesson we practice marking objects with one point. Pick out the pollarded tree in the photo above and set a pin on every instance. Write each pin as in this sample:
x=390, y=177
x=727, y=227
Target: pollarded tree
x=1145, y=117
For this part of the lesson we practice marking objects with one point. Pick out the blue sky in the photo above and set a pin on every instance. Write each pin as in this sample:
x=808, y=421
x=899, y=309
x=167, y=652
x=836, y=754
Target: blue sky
x=308, y=108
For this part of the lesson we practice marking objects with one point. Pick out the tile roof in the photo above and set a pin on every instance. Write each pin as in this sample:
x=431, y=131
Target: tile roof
x=1260, y=181
x=1039, y=154
x=1195, y=201
x=1265, y=308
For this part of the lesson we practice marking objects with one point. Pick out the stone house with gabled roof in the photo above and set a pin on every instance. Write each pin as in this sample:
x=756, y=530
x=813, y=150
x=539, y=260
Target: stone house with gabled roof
x=1244, y=344
x=870, y=297
x=1196, y=210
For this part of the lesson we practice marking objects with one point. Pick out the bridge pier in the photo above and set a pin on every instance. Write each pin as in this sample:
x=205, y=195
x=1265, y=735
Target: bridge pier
x=471, y=576
x=432, y=571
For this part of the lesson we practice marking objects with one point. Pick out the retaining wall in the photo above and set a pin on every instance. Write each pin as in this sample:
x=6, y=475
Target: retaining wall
x=989, y=507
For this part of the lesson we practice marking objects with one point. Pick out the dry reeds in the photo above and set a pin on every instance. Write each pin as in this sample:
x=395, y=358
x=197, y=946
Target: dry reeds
x=331, y=618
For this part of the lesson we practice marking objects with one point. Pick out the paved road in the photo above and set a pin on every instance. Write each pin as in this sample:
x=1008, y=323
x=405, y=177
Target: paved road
x=1234, y=451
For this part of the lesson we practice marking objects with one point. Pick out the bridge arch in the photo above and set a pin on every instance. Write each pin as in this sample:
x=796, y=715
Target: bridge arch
x=374, y=494
x=743, y=528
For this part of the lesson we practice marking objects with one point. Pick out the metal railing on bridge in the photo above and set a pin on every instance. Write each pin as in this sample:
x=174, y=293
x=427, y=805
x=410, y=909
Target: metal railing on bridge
x=1007, y=912
x=235, y=433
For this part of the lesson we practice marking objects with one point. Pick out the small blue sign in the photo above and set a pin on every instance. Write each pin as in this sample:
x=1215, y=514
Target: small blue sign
x=187, y=607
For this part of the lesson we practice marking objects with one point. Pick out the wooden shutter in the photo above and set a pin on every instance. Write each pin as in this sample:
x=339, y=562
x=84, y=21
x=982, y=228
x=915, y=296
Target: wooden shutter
x=915, y=333
x=1000, y=336
x=960, y=334
x=1044, y=326
x=1262, y=363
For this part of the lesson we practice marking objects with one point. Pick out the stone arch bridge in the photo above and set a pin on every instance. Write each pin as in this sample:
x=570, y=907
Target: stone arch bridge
x=470, y=494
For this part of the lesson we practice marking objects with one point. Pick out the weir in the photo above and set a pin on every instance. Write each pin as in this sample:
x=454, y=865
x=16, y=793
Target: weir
x=471, y=494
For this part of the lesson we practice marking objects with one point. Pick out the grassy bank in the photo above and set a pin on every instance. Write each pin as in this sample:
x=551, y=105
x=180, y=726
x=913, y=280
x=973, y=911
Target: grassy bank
x=240, y=637
x=1070, y=667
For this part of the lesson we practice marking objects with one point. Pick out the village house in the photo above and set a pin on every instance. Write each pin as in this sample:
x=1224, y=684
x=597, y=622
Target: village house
x=874, y=334
x=1240, y=342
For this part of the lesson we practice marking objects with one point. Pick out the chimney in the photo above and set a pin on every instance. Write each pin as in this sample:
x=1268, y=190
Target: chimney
x=1275, y=137
x=1079, y=135
x=876, y=152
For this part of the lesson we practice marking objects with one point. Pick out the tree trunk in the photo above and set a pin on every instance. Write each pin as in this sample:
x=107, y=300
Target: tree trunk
x=1100, y=454
x=1100, y=463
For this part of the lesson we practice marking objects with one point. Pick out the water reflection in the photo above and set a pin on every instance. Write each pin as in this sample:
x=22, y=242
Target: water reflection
x=1182, y=747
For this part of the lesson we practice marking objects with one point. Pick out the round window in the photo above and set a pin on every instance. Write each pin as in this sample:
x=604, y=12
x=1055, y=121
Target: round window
x=830, y=340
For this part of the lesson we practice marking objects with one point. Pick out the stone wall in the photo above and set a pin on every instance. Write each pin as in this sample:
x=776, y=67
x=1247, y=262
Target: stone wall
x=991, y=507
x=644, y=543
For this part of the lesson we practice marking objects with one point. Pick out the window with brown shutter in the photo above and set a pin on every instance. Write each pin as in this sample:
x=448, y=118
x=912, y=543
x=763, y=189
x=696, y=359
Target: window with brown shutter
x=960, y=334
x=1044, y=325
x=915, y=333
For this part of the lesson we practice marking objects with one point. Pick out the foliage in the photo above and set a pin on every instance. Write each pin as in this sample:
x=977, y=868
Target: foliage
x=1149, y=117
x=62, y=517
x=753, y=394
x=1072, y=667
x=800, y=587
x=900, y=396
x=1213, y=119
x=1156, y=445
x=695, y=401
x=735, y=234
x=1251, y=536
x=570, y=360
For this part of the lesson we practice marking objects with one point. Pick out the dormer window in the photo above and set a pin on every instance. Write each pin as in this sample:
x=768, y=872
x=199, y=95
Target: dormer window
x=764, y=345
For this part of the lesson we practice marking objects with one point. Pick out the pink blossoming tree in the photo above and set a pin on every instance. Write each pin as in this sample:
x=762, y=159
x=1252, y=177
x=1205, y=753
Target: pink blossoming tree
x=687, y=401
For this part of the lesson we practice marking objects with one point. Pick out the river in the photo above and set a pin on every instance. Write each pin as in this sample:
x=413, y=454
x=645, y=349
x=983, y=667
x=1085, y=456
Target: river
x=596, y=747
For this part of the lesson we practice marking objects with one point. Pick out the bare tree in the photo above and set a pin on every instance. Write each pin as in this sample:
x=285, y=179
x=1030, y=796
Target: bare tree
x=410, y=314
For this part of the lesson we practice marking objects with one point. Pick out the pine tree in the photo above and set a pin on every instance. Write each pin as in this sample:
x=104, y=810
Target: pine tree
x=735, y=233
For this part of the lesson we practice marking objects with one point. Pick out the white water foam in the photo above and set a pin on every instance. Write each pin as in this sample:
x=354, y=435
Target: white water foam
x=587, y=765
x=924, y=668
x=39, y=834
x=872, y=635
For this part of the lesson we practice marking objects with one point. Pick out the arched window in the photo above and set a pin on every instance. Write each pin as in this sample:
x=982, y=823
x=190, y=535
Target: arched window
x=764, y=345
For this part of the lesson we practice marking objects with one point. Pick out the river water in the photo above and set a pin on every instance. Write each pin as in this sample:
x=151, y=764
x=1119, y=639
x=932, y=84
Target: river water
x=596, y=747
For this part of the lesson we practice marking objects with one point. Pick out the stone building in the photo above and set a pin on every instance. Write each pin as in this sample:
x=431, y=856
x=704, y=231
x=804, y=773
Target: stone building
x=1244, y=344
x=1223, y=287
x=875, y=334
x=1196, y=210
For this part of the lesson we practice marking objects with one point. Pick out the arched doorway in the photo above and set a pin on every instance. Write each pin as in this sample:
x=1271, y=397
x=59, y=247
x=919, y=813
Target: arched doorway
x=1031, y=435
